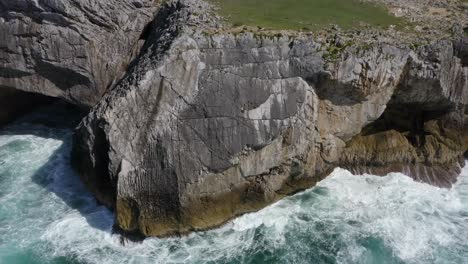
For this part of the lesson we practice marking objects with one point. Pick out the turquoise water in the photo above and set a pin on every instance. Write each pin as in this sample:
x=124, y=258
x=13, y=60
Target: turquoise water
x=46, y=216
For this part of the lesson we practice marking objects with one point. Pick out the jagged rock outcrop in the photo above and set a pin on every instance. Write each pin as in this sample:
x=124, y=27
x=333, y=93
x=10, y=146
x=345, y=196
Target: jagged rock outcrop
x=206, y=127
x=72, y=49
x=423, y=128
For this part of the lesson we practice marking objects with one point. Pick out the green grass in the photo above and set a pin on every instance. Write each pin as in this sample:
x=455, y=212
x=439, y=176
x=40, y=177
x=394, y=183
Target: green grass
x=304, y=14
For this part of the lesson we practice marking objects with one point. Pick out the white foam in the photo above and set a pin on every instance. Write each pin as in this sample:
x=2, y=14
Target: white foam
x=411, y=218
x=346, y=218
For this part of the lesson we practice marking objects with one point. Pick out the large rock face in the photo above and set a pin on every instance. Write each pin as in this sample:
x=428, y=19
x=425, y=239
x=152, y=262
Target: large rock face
x=206, y=127
x=73, y=49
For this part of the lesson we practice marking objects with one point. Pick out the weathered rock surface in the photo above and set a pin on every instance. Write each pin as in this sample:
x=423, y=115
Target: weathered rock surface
x=206, y=127
x=73, y=49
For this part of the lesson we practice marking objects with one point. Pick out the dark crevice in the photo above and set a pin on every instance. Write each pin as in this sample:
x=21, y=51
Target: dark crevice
x=15, y=103
x=343, y=94
x=157, y=36
x=406, y=119
x=146, y=31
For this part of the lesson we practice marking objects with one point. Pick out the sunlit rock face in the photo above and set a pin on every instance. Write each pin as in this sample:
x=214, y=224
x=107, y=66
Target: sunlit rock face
x=206, y=127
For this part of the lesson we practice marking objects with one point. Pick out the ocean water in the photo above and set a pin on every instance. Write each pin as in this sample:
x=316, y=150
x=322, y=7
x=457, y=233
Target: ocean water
x=47, y=216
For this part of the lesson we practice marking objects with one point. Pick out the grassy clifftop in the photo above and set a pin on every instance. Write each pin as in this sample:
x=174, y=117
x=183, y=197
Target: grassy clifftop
x=305, y=14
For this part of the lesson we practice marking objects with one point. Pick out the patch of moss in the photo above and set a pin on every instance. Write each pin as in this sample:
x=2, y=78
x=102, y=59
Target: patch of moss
x=333, y=52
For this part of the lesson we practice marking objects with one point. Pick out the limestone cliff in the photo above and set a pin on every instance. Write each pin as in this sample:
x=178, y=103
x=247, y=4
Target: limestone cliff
x=207, y=127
